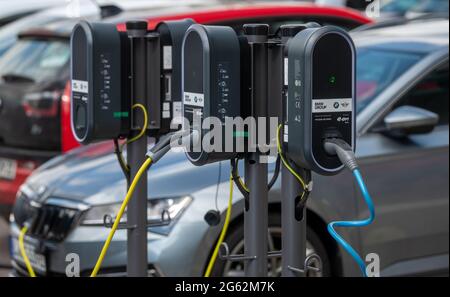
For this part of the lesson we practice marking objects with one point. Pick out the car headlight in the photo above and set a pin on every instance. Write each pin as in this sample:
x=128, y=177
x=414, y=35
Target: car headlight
x=174, y=207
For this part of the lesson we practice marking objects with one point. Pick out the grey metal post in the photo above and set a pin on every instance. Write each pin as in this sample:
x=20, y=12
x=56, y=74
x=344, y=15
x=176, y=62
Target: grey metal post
x=256, y=215
x=293, y=212
x=136, y=151
x=293, y=223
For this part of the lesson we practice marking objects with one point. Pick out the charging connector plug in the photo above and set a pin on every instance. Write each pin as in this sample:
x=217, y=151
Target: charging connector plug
x=170, y=140
x=337, y=146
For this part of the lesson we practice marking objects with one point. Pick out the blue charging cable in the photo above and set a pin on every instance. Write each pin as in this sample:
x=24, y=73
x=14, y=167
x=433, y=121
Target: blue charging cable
x=346, y=155
x=360, y=223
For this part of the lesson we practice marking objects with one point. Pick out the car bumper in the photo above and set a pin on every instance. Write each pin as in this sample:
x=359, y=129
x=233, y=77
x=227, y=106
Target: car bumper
x=183, y=252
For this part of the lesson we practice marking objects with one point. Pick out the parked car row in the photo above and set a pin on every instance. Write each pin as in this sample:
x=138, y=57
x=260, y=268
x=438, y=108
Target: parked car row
x=402, y=87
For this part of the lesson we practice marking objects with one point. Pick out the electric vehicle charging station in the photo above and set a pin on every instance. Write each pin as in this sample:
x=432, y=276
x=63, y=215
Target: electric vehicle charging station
x=316, y=99
x=214, y=62
x=100, y=105
x=319, y=67
x=321, y=97
x=211, y=83
x=112, y=74
x=103, y=84
x=212, y=71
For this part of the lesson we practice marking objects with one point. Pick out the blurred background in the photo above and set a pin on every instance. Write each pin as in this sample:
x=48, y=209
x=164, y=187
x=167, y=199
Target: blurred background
x=403, y=62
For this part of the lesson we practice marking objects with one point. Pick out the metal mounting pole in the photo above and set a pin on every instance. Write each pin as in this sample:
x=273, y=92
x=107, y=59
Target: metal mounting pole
x=293, y=223
x=136, y=151
x=256, y=215
x=293, y=214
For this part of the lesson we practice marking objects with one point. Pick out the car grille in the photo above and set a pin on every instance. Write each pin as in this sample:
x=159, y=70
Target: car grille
x=53, y=220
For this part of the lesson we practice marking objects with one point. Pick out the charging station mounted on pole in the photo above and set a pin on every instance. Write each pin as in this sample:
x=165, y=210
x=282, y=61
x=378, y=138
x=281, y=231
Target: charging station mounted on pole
x=211, y=84
x=101, y=68
x=316, y=99
x=320, y=67
x=112, y=72
x=100, y=102
x=318, y=104
x=304, y=75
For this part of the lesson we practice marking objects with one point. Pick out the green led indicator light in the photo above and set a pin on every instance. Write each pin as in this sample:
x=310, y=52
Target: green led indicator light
x=332, y=79
x=120, y=114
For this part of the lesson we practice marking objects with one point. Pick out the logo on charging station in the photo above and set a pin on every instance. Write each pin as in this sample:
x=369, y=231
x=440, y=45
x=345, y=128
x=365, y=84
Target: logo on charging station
x=80, y=86
x=332, y=105
x=194, y=99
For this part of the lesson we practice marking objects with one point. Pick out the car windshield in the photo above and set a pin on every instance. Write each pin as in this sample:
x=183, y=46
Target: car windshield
x=34, y=60
x=403, y=6
x=377, y=69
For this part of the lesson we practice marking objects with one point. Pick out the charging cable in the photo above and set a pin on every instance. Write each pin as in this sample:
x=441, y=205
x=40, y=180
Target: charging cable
x=144, y=127
x=345, y=153
x=23, y=231
x=306, y=187
x=153, y=156
x=234, y=179
x=223, y=233
x=126, y=170
x=119, y=148
x=130, y=192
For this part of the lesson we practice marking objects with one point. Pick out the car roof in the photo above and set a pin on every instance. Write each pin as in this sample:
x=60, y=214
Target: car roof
x=208, y=12
x=418, y=36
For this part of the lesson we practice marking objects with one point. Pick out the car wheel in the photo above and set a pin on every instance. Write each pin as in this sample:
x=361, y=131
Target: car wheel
x=235, y=241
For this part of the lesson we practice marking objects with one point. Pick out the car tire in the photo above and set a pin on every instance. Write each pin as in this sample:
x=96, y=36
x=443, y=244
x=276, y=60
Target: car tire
x=235, y=238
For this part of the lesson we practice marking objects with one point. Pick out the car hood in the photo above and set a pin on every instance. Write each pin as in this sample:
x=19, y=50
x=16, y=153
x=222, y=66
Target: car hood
x=91, y=174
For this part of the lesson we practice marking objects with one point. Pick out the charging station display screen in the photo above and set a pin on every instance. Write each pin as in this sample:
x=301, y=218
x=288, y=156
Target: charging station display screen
x=193, y=76
x=193, y=94
x=332, y=77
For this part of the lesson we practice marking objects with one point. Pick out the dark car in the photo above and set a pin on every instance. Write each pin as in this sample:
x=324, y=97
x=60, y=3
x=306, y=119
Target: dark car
x=34, y=72
x=402, y=87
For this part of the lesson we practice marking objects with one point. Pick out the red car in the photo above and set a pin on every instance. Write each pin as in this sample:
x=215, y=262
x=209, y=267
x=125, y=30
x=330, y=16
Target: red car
x=35, y=109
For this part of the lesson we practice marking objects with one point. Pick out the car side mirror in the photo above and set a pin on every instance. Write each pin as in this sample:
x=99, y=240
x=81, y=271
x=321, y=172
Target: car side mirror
x=407, y=120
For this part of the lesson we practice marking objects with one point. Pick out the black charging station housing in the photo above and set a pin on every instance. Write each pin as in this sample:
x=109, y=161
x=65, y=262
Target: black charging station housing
x=100, y=95
x=171, y=35
x=211, y=83
x=101, y=79
x=320, y=72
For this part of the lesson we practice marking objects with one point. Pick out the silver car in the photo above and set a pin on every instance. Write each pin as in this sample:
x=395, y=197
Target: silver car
x=404, y=155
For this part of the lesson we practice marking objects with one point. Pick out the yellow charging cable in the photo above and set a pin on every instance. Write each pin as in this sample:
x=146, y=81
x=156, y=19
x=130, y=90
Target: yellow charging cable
x=141, y=133
x=130, y=192
x=286, y=164
x=223, y=233
x=240, y=181
x=23, y=231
